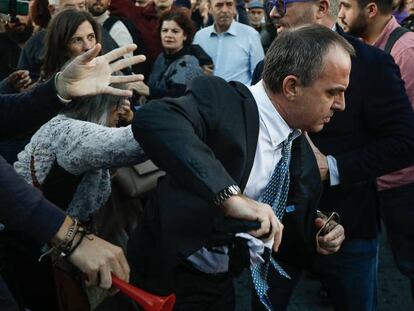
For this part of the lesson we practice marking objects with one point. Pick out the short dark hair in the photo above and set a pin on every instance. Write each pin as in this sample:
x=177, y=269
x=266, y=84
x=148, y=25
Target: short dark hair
x=59, y=32
x=300, y=52
x=384, y=6
x=181, y=17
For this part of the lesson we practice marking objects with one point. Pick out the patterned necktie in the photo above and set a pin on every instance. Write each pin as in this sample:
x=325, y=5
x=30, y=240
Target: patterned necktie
x=275, y=194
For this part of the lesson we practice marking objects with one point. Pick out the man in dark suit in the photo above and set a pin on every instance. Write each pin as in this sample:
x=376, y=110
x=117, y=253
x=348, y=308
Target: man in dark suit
x=374, y=135
x=221, y=140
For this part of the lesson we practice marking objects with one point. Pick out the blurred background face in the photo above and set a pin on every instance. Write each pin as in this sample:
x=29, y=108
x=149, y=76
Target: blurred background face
x=97, y=7
x=82, y=40
x=20, y=30
x=297, y=13
x=163, y=5
x=255, y=17
x=55, y=6
x=172, y=37
x=223, y=12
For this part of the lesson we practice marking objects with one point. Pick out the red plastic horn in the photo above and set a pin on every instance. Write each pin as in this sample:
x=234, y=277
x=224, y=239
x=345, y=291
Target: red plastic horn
x=146, y=300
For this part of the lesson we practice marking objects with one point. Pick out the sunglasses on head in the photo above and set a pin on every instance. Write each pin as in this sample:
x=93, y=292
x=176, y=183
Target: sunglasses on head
x=280, y=5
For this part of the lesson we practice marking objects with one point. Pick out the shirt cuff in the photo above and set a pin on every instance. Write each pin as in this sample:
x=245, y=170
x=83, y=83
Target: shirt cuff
x=333, y=171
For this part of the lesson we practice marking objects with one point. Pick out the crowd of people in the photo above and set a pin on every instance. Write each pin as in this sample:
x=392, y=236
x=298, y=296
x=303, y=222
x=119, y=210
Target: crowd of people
x=285, y=129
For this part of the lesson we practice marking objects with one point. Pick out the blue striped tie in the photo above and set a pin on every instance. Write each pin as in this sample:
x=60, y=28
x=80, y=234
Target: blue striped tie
x=275, y=194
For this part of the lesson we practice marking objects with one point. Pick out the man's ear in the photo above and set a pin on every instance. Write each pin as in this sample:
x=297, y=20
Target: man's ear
x=372, y=10
x=322, y=9
x=290, y=87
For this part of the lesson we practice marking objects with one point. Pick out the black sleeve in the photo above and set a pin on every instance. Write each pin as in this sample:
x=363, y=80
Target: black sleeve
x=24, y=209
x=257, y=73
x=25, y=112
x=172, y=133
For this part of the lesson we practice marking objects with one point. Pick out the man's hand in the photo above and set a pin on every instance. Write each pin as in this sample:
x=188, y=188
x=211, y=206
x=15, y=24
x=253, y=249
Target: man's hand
x=97, y=259
x=91, y=75
x=242, y=207
x=330, y=242
x=320, y=158
x=19, y=80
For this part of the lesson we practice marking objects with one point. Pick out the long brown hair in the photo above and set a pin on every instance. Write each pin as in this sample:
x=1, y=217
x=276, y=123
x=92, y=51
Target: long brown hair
x=59, y=32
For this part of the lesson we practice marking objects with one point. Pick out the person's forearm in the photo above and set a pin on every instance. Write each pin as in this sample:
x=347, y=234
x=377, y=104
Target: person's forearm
x=24, y=209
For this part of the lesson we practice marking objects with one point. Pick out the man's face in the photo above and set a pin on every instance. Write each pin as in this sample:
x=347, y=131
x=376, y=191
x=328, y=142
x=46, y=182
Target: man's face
x=315, y=104
x=297, y=13
x=163, y=4
x=352, y=18
x=97, y=7
x=256, y=16
x=223, y=12
x=20, y=30
x=67, y=4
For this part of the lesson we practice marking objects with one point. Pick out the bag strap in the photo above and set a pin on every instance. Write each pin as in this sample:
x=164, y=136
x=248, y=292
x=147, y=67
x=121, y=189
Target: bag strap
x=35, y=181
x=395, y=35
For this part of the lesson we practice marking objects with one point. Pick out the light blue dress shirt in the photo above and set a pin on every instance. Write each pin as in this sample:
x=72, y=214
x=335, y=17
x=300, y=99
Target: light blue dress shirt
x=235, y=53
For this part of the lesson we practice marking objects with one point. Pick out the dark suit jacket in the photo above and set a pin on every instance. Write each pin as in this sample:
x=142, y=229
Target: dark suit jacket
x=372, y=137
x=205, y=141
x=22, y=207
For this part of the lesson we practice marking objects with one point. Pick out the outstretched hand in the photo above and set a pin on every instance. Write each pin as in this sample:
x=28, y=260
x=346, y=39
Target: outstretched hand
x=88, y=74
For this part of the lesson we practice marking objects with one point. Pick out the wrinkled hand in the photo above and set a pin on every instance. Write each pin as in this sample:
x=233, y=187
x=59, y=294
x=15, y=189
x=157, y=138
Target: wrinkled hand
x=97, y=259
x=320, y=159
x=242, y=207
x=19, y=80
x=140, y=87
x=125, y=112
x=91, y=75
x=331, y=242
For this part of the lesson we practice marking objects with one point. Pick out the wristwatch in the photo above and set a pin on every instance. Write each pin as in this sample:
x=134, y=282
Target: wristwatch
x=226, y=193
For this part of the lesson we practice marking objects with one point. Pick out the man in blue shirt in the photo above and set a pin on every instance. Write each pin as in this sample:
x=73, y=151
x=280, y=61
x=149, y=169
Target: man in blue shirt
x=235, y=48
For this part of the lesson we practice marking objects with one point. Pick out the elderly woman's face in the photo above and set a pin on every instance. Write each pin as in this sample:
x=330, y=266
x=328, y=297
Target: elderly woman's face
x=172, y=37
x=82, y=40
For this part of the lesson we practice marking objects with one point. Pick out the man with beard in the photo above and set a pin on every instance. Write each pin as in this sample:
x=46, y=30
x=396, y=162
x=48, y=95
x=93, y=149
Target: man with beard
x=11, y=42
x=372, y=137
x=372, y=20
x=234, y=47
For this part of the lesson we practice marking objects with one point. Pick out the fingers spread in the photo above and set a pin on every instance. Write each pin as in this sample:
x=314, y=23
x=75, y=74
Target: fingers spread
x=126, y=62
x=126, y=79
x=116, y=92
x=119, y=52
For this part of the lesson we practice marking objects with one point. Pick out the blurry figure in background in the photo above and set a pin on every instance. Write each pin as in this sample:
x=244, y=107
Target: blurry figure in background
x=399, y=10
x=16, y=82
x=12, y=41
x=219, y=41
x=175, y=67
x=201, y=14
x=408, y=22
x=39, y=11
x=260, y=21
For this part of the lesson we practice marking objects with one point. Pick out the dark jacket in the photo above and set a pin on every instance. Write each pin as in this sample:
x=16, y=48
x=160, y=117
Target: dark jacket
x=22, y=207
x=205, y=141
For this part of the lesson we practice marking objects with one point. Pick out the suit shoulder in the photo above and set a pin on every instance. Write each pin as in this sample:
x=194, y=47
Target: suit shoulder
x=368, y=53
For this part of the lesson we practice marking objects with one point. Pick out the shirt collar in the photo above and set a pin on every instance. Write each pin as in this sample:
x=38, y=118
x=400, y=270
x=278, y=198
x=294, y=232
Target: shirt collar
x=277, y=128
x=231, y=31
x=386, y=32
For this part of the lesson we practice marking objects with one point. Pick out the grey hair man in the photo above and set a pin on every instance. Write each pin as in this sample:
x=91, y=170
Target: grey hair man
x=375, y=135
x=220, y=159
